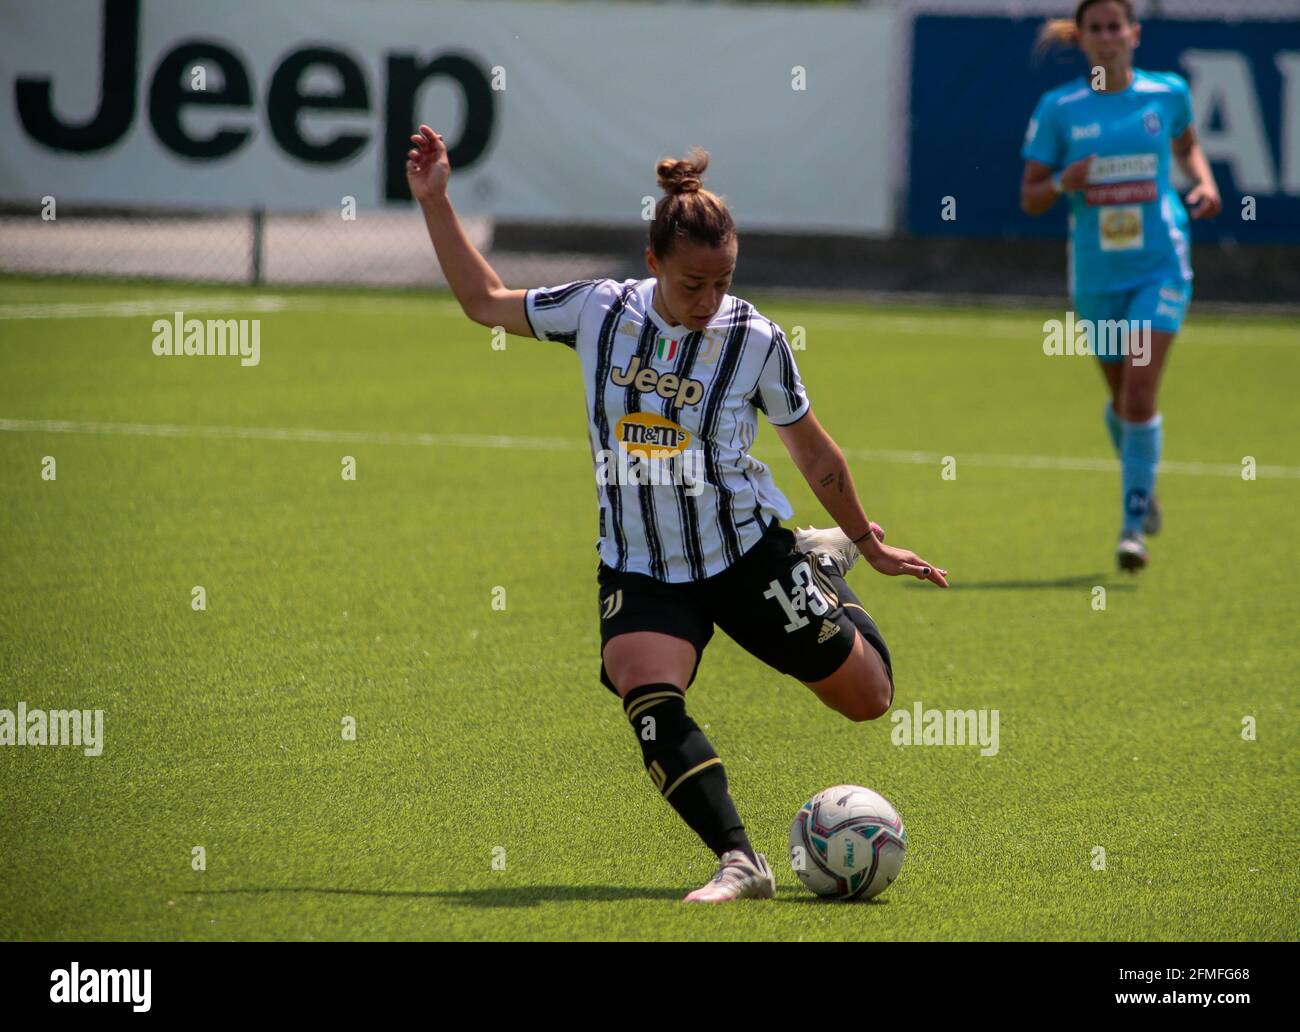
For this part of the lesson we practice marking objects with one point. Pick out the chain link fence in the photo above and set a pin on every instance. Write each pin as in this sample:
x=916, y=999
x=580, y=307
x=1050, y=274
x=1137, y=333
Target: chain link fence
x=377, y=248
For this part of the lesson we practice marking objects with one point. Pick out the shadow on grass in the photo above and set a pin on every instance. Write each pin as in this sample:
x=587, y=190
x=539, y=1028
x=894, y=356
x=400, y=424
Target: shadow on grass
x=1109, y=581
x=534, y=895
x=507, y=896
x=808, y=899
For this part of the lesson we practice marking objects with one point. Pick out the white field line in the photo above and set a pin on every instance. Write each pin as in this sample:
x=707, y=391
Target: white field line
x=147, y=306
x=267, y=433
x=912, y=458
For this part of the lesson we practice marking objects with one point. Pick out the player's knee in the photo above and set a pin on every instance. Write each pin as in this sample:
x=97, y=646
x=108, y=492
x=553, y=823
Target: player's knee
x=635, y=659
x=870, y=703
x=635, y=674
x=1137, y=406
x=867, y=699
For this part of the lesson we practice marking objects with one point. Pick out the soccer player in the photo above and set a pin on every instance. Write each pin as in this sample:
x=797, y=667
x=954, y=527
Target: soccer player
x=676, y=371
x=1105, y=141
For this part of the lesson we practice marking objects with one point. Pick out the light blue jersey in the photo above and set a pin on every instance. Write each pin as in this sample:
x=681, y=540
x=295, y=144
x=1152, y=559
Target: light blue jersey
x=1128, y=226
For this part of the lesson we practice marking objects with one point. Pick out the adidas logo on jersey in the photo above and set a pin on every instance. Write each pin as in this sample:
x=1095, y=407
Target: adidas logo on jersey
x=828, y=631
x=686, y=390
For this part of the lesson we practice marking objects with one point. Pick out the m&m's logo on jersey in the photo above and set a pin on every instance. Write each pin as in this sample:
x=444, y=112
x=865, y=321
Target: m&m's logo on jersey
x=666, y=348
x=644, y=433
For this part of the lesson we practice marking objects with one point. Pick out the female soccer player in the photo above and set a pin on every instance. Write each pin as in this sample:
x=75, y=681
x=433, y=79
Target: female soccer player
x=676, y=370
x=1105, y=140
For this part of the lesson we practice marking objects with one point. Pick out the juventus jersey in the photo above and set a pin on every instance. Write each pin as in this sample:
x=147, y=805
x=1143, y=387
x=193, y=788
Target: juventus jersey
x=672, y=413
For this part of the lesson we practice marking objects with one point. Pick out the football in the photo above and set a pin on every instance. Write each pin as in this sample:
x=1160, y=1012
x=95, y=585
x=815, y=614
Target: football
x=847, y=842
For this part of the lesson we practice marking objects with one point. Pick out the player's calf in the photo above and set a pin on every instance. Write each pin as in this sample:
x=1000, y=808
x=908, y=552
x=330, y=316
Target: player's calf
x=684, y=766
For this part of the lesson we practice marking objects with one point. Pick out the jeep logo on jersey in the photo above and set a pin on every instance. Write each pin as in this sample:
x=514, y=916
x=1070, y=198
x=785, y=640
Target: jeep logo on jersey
x=666, y=385
x=644, y=433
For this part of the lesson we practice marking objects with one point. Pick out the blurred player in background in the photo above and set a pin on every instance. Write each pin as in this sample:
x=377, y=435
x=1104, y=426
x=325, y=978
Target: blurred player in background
x=676, y=370
x=1105, y=140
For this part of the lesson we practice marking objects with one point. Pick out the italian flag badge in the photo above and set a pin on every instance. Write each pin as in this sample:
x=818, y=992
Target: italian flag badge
x=666, y=349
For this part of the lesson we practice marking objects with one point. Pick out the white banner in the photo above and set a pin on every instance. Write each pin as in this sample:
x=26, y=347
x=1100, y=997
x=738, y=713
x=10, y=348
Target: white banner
x=551, y=111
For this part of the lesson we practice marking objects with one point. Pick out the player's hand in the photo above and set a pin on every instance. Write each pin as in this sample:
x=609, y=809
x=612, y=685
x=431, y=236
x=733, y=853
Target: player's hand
x=894, y=562
x=1075, y=176
x=1203, y=201
x=427, y=167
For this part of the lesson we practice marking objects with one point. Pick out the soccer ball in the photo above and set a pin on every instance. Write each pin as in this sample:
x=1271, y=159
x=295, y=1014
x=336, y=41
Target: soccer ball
x=847, y=842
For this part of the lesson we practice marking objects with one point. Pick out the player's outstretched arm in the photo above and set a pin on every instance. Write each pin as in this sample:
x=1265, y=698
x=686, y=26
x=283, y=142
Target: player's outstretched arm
x=482, y=295
x=822, y=464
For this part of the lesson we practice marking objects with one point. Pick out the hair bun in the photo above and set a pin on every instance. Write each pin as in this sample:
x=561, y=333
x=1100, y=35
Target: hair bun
x=683, y=175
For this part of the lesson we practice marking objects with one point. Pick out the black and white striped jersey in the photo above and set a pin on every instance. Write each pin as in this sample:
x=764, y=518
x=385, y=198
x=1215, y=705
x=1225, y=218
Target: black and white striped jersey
x=671, y=414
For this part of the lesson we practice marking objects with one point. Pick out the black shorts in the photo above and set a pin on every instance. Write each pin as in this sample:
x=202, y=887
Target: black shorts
x=771, y=602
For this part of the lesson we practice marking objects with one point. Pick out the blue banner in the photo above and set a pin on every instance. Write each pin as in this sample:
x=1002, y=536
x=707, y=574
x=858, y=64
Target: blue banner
x=975, y=82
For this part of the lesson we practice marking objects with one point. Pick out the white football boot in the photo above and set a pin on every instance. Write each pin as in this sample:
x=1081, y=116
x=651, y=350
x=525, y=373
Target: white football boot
x=833, y=542
x=1131, y=552
x=738, y=878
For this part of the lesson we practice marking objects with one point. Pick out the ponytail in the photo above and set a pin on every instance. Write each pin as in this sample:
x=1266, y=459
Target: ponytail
x=1057, y=32
x=1064, y=32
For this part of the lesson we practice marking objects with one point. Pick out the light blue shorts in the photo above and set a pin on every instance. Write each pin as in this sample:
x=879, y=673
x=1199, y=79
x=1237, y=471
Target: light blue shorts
x=1164, y=302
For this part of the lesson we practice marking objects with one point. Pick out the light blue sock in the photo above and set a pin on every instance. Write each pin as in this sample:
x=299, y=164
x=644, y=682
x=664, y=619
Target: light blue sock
x=1114, y=426
x=1139, y=456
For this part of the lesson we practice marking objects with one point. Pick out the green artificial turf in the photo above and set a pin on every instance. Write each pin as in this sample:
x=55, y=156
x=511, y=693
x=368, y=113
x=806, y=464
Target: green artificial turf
x=484, y=732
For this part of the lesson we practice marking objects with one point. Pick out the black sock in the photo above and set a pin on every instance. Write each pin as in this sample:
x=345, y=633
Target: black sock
x=684, y=767
x=833, y=583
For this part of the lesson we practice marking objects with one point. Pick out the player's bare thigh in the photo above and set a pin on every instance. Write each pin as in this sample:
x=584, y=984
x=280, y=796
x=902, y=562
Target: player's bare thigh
x=1114, y=374
x=648, y=657
x=1133, y=387
x=1137, y=398
x=860, y=689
